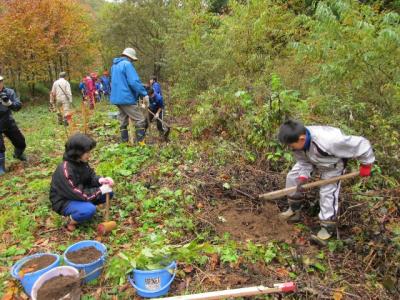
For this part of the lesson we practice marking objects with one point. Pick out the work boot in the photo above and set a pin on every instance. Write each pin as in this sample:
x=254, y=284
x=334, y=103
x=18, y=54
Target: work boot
x=19, y=154
x=140, y=134
x=124, y=135
x=60, y=119
x=293, y=213
x=65, y=122
x=325, y=233
x=2, y=164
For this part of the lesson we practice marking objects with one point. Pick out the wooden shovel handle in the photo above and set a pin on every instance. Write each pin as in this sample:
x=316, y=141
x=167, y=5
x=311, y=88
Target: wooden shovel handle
x=290, y=190
x=162, y=122
x=107, y=207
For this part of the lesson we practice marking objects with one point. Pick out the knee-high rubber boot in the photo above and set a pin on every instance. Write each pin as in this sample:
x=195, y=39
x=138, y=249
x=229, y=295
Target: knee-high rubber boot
x=19, y=154
x=140, y=135
x=124, y=134
x=2, y=163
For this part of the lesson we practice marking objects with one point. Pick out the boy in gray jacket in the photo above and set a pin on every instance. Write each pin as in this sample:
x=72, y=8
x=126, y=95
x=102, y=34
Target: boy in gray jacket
x=327, y=150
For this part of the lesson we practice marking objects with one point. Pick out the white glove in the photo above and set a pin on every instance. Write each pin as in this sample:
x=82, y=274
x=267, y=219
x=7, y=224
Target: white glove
x=7, y=103
x=105, y=189
x=157, y=115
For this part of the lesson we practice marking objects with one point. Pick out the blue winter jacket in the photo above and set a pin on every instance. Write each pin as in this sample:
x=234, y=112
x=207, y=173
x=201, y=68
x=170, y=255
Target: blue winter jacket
x=106, y=84
x=126, y=87
x=156, y=102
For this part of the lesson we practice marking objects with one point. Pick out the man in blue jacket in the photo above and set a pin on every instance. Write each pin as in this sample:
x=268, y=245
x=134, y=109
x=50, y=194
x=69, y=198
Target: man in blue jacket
x=126, y=88
x=8, y=102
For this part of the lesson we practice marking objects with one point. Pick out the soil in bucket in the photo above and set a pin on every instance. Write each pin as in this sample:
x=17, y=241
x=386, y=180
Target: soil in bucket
x=84, y=255
x=36, y=264
x=58, y=287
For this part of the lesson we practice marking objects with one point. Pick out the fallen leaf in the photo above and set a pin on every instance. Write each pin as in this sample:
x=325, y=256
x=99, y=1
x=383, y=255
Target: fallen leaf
x=338, y=294
x=214, y=261
x=188, y=269
x=282, y=272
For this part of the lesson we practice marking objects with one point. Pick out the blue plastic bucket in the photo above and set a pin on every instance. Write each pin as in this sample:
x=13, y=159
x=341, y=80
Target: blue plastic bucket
x=154, y=283
x=94, y=268
x=29, y=279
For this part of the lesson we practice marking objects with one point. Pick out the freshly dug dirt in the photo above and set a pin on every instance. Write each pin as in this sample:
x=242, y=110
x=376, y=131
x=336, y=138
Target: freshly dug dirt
x=37, y=263
x=245, y=222
x=58, y=287
x=84, y=255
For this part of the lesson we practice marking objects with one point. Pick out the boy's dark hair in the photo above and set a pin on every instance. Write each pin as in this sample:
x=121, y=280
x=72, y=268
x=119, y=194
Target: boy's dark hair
x=153, y=77
x=290, y=131
x=77, y=145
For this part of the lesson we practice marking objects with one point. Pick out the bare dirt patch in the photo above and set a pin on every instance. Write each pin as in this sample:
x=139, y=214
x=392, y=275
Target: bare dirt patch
x=243, y=221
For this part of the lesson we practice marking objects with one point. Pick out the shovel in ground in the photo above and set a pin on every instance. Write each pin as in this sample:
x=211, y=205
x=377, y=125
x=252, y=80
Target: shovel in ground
x=108, y=225
x=287, y=191
x=162, y=122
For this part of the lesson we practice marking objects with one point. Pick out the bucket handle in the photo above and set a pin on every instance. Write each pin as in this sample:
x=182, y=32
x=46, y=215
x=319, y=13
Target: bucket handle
x=160, y=289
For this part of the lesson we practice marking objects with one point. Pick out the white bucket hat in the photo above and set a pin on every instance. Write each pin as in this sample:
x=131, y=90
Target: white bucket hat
x=130, y=52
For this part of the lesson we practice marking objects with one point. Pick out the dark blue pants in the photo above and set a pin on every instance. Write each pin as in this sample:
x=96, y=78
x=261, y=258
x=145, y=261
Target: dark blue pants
x=81, y=211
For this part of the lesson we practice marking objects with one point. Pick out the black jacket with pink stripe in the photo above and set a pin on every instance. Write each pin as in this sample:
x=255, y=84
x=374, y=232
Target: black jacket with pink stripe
x=73, y=180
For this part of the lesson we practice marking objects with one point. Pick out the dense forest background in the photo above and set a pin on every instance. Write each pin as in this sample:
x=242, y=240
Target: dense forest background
x=242, y=66
x=232, y=71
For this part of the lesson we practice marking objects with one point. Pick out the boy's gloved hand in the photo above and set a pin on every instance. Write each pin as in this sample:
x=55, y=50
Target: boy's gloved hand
x=106, y=180
x=157, y=115
x=365, y=170
x=300, y=181
x=105, y=189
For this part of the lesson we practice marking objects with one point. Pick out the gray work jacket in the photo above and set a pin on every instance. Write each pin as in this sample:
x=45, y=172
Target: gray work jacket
x=329, y=147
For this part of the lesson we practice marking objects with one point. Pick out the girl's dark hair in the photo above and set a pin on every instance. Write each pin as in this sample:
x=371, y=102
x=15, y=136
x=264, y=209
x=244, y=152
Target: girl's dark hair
x=77, y=145
x=290, y=131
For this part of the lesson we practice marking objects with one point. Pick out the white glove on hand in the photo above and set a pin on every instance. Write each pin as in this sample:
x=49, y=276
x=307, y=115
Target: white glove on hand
x=105, y=189
x=157, y=115
x=7, y=103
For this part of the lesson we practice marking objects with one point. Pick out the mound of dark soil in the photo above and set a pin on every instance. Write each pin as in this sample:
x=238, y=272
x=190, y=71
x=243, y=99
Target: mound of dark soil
x=84, y=255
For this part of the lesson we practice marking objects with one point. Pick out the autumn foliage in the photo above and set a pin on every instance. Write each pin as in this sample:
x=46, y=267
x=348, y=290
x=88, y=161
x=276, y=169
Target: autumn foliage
x=42, y=37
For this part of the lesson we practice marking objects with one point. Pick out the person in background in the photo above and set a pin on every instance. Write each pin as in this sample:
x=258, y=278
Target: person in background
x=126, y=88
x=99, y=90
x=90, y=89
x=105, y=81
x=156, y=111
x=75, y=189
x=61, y=96
x=155, y=85
x=8, y=127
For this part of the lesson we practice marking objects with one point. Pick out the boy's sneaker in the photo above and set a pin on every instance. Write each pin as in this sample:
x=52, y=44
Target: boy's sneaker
x=324, y=234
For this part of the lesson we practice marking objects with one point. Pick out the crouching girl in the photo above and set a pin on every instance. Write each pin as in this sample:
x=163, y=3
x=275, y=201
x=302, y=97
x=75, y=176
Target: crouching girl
x=75, y=188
